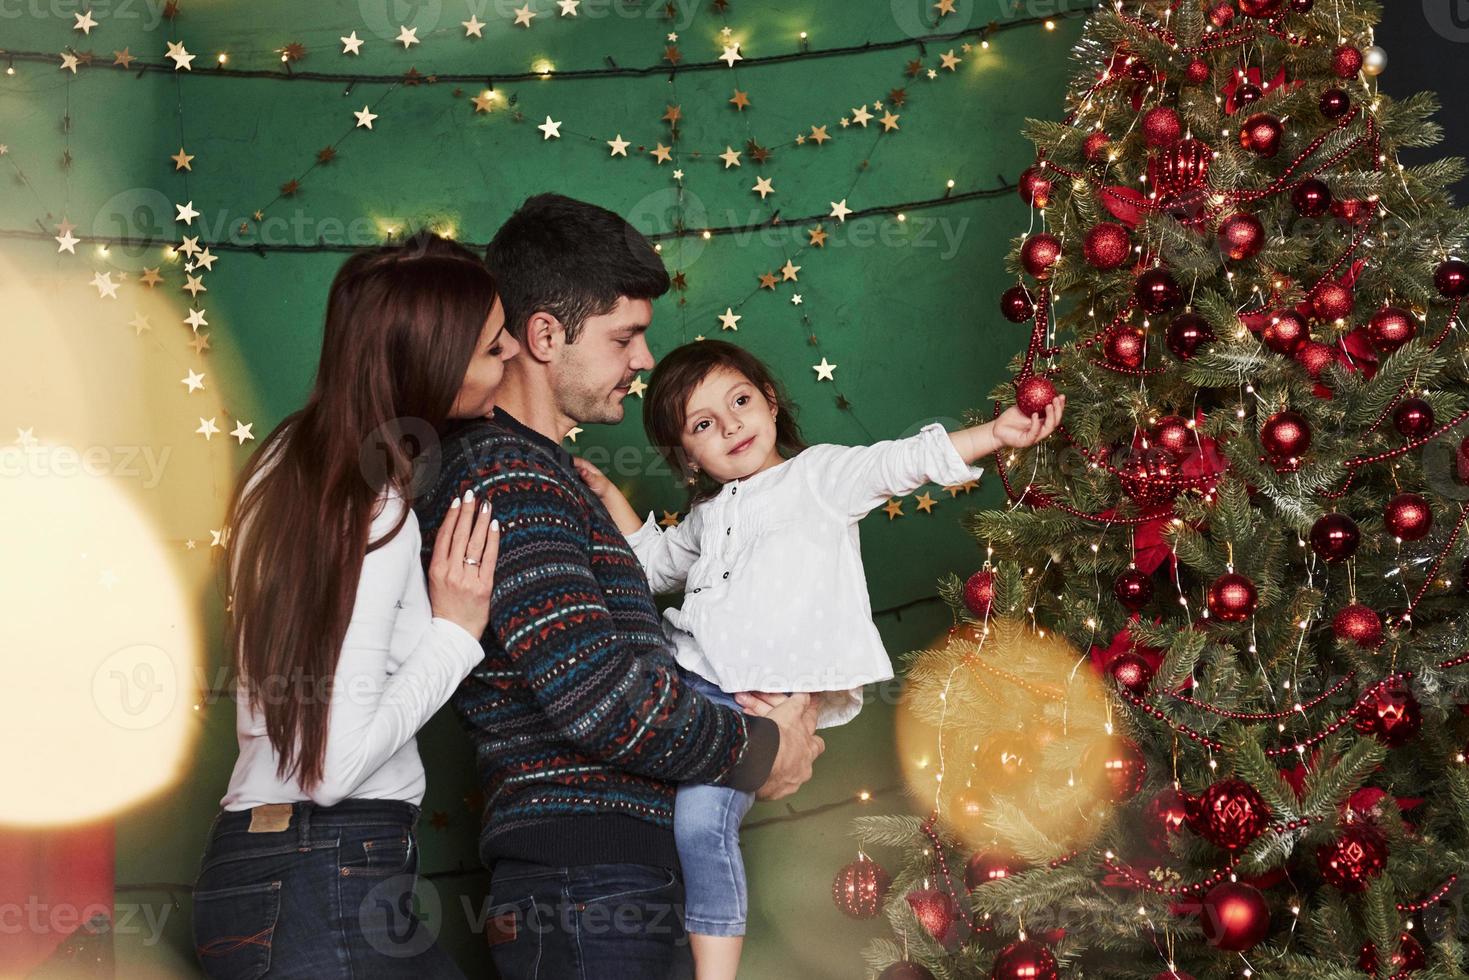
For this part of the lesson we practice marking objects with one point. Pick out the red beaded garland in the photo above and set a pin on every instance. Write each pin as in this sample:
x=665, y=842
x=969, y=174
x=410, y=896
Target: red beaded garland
x=1232, y=598
x=1408, y=516
x=1390, y=328
x=1107, y=246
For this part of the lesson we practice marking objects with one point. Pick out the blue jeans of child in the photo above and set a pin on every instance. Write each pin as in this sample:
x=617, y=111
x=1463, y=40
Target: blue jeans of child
x=706, y=827
x=315, y=892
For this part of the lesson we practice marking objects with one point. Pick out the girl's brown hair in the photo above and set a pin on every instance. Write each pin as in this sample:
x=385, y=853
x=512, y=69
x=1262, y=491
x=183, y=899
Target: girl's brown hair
x=667, y=399
x=402, y=322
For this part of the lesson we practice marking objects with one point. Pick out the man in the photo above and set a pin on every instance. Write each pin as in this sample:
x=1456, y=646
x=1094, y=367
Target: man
x=581, y=725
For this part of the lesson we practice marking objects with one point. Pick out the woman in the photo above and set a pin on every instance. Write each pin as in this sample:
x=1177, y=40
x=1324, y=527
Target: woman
x=342, y=651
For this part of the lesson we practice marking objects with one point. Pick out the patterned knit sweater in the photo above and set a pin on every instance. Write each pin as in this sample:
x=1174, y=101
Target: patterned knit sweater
x=580, y=722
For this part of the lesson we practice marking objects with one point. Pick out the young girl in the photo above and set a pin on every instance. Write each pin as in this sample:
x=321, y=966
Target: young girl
x=775, y=598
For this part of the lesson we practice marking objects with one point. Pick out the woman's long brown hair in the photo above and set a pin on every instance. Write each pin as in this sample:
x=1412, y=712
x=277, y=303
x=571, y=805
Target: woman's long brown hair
x=402, y=322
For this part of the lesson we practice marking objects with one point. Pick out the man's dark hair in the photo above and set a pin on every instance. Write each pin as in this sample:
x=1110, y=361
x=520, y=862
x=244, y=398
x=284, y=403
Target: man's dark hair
x=570, y=259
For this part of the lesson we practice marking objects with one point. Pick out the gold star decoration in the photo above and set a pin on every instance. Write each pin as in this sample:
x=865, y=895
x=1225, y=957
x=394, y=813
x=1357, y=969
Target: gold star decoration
x=290, y=187
x=670, y=518
x=207, y=429
x=897, y=97
x=757, y=152
x=200, y=343
x=326, y=154
x=150, y=277
x=768, y=281
x=123, y=58
x=763, y=187
x=619, y=146
x=551, y=128
x=915, y=68
x=889, y=122
x=576, y=430
x=182, y=160
x=351, y=44
x=484, y=102
x=894, y=508
x=182, y=60
x=661, y=153
x=106, y=288
x=473, y=27
x=637, y=386
x=68, y=62
x=365, y=117
x=731, y=157
x=955, y=489
x=950, y=60
x=944, y=7
x=523, y=16
x=788, y=271
x=671, y=54
x=65, y=239
x=242, y=431
x=195, y=286
x=673, y=115
x=818, y=135
x=741, y=101
x=925, y=502
x=729, y=319
x=818, y=237
x=839, y=210
x=824, y=371
x=731, y=55
x=677, y=281
x=194, y=382
x=84, y=23
x=140, y=324
x=861, y=116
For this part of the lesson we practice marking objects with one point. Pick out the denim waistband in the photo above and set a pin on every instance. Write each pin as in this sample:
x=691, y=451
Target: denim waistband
x=347, y=813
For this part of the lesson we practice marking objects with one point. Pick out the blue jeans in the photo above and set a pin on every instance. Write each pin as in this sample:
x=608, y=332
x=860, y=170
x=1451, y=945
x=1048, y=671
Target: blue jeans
x=315, y=892
x=706, y=827
x=592, y=922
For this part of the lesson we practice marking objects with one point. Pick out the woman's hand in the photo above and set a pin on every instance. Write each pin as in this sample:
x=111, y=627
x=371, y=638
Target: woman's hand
x=1016, y=429
x=461, y=573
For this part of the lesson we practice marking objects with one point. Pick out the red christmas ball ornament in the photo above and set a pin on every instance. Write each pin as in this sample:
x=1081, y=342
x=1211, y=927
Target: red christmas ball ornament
x=1034, y=188
x=1312, y=199
x=1126, y=347
x=1197, y=72
x=1163, y=817
x=860, y=888
x=1261, y=8
x=1286, y=333
x=1116, y=766
x=1025, y=960
x=1413, y=418
x=1332, y=301
x=1221, y=14
x=1173, y=433
x=1017, y=304
x=987, y=866
x=1039, y=253
x=1157, y=291
x=1232, y=598
x=1285, y=436
x=1261, y=134
x=979, y=593
x=1247, y=94
x=1452, y=279
x=1348, y=863
x=1335, y=537
x=1178, y=169
x=1241, y=236
x=1161, y=126
x=1346, y=61
x=1150, y=477
x=1335, y=103
x=1187, y=335
x=1390, y=328
x=1107, y=246
x=1133, y=589
x=1358, y=624
x=1354, y=211
x=1132, y=672
x=1409, y=957
x=1408, y=517
x=1033, y=394
x=1097, y=146
x=1234, y=916
x=1229, y=814
x=1392, y=715
x=936, y=912
x=1315, y=357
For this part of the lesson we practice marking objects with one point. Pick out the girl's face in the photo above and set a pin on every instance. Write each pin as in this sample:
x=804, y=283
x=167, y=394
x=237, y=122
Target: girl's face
x=729, y=427
x=486, y=367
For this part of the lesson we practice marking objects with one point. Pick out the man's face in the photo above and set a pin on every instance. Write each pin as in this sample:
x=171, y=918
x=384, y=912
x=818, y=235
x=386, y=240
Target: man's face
x=592, y=375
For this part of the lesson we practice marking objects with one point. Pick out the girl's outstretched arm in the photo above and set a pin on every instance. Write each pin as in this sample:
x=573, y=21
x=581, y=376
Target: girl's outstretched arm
x=1013, y=428
x=611, y=497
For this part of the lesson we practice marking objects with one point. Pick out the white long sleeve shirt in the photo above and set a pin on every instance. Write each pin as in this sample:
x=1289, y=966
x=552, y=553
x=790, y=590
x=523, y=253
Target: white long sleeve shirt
x=399, y=664
x=775, y=596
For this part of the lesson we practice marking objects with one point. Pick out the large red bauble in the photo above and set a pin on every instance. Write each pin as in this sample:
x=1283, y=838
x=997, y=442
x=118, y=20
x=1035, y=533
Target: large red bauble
x=1132, y=672
x=1033, y=394
x=1409, y=957
x=1107, y=246
x=991, y=865
x=1197, y=72
x=1286, y=333
x=906, y=970
x=1335, y=103
x=1039, y=253
x=1413, y=418
x=1358, y=854
x=1157, y=291
x=1408, y=516
x=979, y=593
x=1390, y=328
x=1335, y=537
x=1229, y=814
x=1126, y=347
x=1358, y=624
x=1180, y=168
x=1017, y=304
x=1346, y=61
x=1161, y=126
x=1034, y=188
x=936, y=912
x=1261, y=134
x=1172, y=432
x=1163, y=817
x=1025, y=960
x=1452, y=279
x=1150, y=477
x=1187, y=334
x=1392, y=715
x=1232, y=598
x=1133, y=589
x=1354, y=211
x=1332, y=301
x=1312, y=199
x=1286, y=436
x=1234, y=916
x=1241, y=236
x=1221, y=14
x=1260, y=8
x=860, y=888
x=1315, y=357
x=1116, y=766
x=1097, y=146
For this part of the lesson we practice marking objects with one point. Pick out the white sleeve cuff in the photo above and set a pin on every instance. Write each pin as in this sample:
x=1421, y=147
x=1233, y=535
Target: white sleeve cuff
x=459, y=640
x=945, y=464
x=644, y=535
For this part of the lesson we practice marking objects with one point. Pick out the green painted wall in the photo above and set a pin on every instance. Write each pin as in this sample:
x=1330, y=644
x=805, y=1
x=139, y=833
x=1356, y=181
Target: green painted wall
x=906, y=310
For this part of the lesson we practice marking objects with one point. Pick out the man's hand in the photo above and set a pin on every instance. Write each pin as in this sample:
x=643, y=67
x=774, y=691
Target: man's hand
x=799, y=743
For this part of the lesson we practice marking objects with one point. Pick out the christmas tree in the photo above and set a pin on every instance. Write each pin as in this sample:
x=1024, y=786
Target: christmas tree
x=1251, y=522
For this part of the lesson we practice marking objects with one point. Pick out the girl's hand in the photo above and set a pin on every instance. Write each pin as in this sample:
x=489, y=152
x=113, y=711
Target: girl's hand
x=461, y=573
x=594, y=478
x=1015, y=429
x=759, y=702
